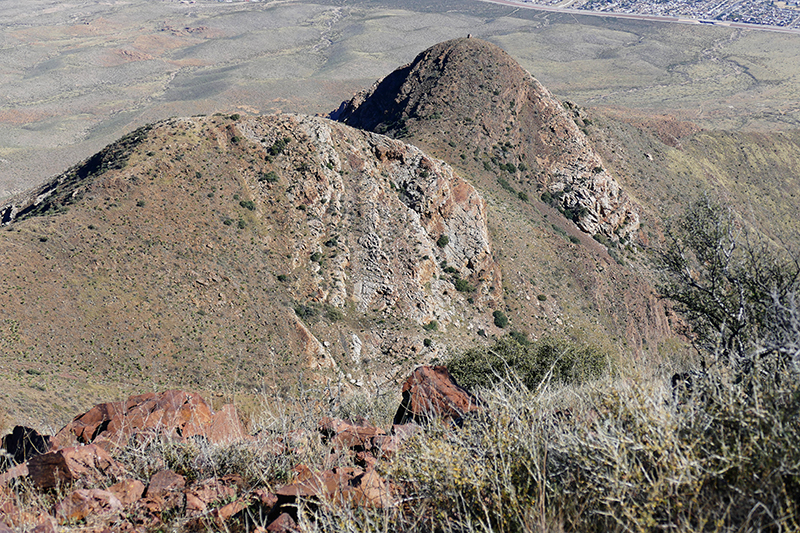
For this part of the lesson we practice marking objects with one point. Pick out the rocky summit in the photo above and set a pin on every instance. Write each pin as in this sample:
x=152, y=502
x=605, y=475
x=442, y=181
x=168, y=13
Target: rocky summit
x=471, y=93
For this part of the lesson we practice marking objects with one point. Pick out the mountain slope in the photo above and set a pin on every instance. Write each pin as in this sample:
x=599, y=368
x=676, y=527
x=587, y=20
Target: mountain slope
x=239, y=253
x=547, y=188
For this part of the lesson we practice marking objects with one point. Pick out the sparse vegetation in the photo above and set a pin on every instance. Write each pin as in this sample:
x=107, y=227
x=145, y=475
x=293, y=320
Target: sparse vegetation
x=442, y=241
x=463, y=285
x=500, y=319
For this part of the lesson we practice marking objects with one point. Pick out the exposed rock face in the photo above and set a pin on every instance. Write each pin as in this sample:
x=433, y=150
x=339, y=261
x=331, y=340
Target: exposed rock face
x=491, y=107
x=90, y=463
x=177, y=414
x=381, y=206
x=431, y=392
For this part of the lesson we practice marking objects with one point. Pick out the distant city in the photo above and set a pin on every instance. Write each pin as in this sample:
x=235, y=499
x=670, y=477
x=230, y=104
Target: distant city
x=762, y=12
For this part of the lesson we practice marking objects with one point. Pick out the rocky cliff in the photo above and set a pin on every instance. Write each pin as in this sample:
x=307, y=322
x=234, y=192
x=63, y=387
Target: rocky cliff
x=474, y=96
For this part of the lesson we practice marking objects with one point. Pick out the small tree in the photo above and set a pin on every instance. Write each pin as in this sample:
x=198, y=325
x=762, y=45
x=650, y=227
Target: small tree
x=729, y=283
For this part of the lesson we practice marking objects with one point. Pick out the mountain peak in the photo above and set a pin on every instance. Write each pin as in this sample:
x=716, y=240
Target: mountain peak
x=472, y=96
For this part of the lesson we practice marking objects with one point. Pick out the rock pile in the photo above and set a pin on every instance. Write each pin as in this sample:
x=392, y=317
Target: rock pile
x=97, y=489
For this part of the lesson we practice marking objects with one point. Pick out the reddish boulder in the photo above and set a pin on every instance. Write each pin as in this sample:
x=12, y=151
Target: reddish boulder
x=207, y=493
x=127, y=491
x=13, y=473
x=283, y=524
x=82, y=503
x=90, y=463
x=114, y=423
x=342, y=485
x=165, y=491
x=344, y=435
x=430, y=393
x=175, y=413
x=225, y=427
x=388, y=446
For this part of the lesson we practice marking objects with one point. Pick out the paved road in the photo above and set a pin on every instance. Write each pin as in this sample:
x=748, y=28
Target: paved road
x=635, y=16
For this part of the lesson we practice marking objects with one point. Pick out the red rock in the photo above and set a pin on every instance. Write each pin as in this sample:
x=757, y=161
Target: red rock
x=175, y=413
x=13, y=473
x=84, y=502
x=165, y=491
x=370, y=489
x=165, y=481
x=322, y=485
x=283, y=524
x=200, y=496
x=265, y=498
x=226, y=512
x=90, y=463
x=431, y=392
x=127, y=491
x=226, y=426
x=388, y=446
x=46, y=524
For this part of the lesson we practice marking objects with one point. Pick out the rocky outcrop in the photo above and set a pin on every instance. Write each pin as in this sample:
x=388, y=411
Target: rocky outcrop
x=430, y=393
x=99, y=490
x=90, y=464
x=176, y=414
x=383, y=219
x=490, y=107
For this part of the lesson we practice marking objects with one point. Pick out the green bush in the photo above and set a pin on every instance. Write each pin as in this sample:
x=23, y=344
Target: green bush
x=463, y=285
x=278, y=147
x=442, y=241
x=248, y=204
x=334, y=314
x=533, y=362
x=269, y=177
x=500, y=319
x=431, y=326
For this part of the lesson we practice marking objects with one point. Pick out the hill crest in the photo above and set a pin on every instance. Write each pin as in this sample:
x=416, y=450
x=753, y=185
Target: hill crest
x=472, y=94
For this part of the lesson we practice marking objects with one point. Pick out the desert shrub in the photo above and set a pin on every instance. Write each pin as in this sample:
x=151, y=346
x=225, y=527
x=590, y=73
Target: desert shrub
x=531, y=362
x=500, y=319
x=305, y=311
x=334, y=314
x=269, y=177
x=431, y=326
x=618, y=456
x=463, y=285
x=248, y=204
x=442, y=241
x=278, y=147
x=506, y=185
